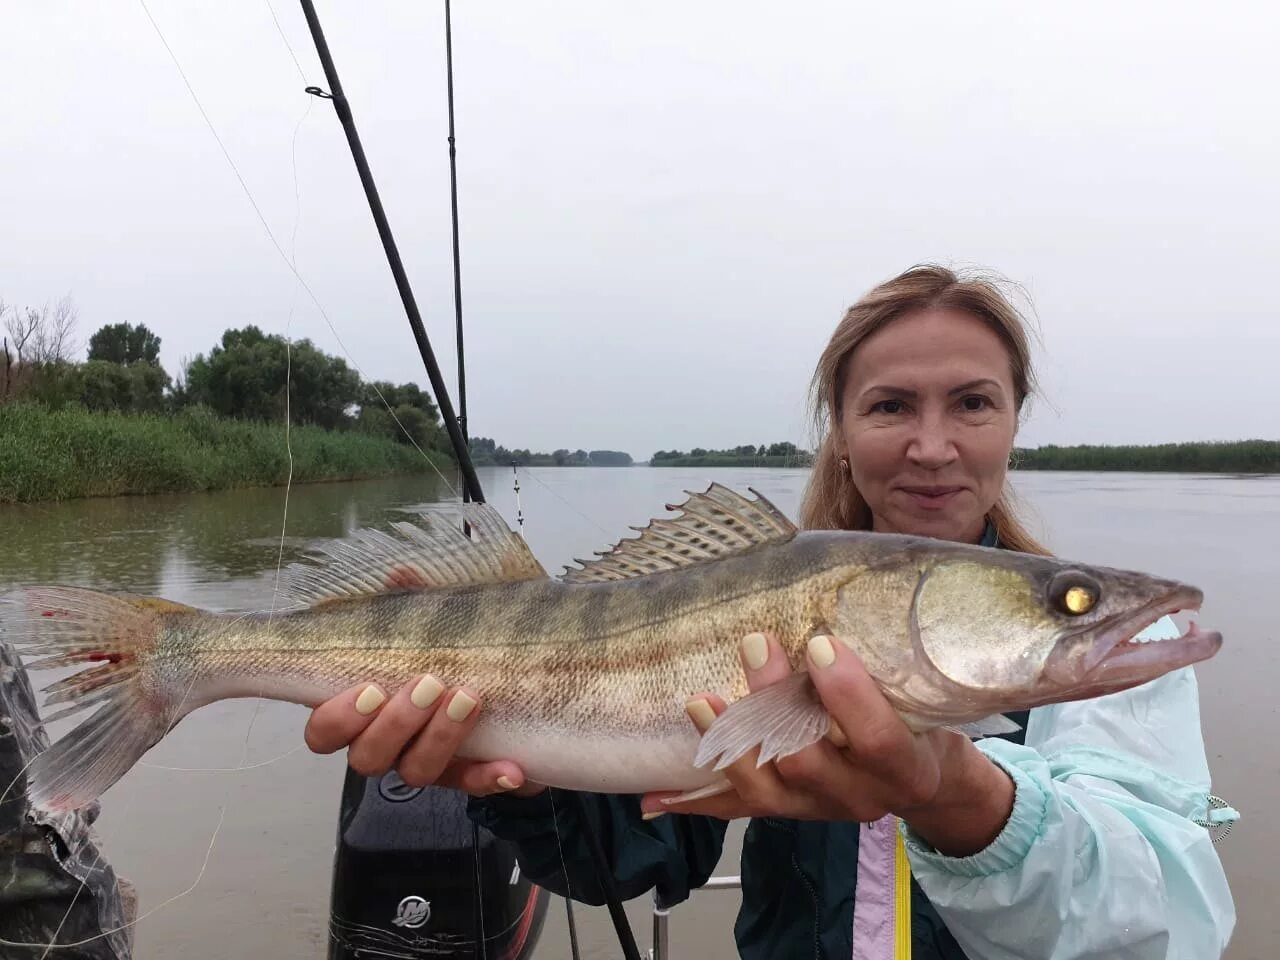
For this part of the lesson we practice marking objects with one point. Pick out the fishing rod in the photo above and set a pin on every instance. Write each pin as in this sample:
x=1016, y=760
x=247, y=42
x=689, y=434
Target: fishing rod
x=453, y=203
x=471, y=482
x=457, y=437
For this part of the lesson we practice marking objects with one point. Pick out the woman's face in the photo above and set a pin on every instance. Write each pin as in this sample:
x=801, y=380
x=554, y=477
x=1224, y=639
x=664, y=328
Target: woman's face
x=928, y=417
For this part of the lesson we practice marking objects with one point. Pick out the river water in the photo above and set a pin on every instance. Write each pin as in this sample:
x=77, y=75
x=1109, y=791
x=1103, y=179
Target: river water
x=261, y=886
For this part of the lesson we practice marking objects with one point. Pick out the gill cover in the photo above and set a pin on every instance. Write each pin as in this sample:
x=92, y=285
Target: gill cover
x=985, y=627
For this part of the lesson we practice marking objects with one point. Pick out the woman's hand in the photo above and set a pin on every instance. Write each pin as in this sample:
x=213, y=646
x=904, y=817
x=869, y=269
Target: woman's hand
x=871, y=764
x=417, y=731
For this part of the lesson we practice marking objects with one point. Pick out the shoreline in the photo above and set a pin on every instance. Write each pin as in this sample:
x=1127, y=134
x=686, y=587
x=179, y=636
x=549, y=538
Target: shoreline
x=75, y=454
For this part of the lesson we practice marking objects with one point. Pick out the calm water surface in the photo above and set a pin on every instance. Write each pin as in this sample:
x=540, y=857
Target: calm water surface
x=265, y=888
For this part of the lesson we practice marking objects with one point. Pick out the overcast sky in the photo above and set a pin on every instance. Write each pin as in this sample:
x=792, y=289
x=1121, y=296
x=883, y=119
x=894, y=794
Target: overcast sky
x=666, y=206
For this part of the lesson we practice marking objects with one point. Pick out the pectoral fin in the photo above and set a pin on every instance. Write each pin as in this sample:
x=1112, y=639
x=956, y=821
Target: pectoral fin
x=782, y=719
x=710, y=790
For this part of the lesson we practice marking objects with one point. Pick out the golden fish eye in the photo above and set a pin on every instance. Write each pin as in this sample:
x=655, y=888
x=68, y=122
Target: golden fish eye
x=1079, y=600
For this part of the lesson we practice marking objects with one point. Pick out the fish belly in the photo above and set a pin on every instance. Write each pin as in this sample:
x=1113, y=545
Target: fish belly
x=615, y=763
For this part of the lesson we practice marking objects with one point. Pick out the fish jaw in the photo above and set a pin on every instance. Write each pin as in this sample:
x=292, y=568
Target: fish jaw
x=1115, y=660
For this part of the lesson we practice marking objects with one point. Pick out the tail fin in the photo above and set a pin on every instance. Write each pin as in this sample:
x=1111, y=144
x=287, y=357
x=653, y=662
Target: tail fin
x=67, y=626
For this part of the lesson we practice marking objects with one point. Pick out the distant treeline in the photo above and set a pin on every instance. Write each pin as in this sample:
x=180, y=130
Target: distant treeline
x=117, y=423
x=783, y=454
x=486, y=452
x=1245, y=456
x=248, y=375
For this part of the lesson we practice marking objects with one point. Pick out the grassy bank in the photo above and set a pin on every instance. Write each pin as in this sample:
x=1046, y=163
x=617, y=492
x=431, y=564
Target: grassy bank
x=63, y=454
x=1246, y=456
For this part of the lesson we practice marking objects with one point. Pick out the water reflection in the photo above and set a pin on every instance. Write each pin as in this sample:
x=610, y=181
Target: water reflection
x=211, y=549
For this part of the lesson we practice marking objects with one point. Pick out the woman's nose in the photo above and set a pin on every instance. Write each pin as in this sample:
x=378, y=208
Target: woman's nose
x=931, y=447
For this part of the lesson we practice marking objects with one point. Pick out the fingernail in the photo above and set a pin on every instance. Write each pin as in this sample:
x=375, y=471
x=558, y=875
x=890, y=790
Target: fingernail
x=836, y=735
x=755, y=650
x=700, y=713
x=506, y=783
x=370, y=699
x=460, y=706
x=426, y=692
x=821, y=652
x=654, y=815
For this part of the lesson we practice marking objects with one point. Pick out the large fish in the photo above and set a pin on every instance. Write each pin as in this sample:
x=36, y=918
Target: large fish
x=584, y=677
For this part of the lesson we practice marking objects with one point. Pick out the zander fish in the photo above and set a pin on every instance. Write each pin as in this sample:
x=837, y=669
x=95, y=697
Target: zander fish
x=584, y=677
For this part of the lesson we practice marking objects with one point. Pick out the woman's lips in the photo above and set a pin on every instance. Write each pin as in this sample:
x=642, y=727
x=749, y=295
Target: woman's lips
x=931, y=497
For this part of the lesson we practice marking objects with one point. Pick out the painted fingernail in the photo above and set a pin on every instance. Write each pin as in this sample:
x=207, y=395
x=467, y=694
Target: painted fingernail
x=460, y=706
x=700, y=713
x=506, y=783
x=654, y=815
x=370, y=699
x=821, y=652
x=755, y=650
x=426, y=692
x=836, y=735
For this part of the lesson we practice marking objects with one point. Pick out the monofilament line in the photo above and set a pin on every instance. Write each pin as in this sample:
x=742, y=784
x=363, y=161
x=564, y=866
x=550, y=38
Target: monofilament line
x=280, y=250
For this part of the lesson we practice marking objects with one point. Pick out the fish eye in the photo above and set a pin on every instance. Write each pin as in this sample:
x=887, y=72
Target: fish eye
x=1074, y=593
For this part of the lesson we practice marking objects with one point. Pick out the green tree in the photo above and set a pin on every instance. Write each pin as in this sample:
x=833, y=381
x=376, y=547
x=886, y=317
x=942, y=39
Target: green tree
x=245, y=375
x=411, y=405
x=108, y=386
x=125, y=344
x=609, y=458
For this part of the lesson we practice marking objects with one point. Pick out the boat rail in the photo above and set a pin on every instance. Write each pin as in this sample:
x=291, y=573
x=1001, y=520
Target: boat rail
x=661, y=947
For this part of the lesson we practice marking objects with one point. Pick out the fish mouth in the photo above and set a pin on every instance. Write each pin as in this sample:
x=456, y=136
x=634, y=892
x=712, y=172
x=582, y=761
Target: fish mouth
x=1116, y=660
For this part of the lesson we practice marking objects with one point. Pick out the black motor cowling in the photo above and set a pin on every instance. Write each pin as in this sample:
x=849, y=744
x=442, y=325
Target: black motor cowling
x=405, y=881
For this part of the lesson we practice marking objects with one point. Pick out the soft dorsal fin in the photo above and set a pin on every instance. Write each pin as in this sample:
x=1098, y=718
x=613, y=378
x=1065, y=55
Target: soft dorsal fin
x=432, y=552
x=714, y=524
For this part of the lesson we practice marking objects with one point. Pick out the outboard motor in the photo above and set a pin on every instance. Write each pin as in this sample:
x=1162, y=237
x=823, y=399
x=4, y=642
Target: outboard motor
x=405, y=883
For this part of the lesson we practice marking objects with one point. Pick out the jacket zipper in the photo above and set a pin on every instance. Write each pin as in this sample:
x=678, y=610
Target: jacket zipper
x=813, y=896
x=790, y=828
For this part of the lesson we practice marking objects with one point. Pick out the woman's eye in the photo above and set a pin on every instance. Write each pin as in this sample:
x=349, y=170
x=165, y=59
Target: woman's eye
x=887, y=406
x=974, y=403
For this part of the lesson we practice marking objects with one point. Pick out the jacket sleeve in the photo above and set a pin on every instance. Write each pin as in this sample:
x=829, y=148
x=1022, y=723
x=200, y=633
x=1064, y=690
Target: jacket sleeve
x=1102, y=855
x=671, y=855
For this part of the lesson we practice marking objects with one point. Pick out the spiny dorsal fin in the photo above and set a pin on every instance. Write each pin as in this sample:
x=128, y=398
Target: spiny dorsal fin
x=714, y=524
x=430, y=553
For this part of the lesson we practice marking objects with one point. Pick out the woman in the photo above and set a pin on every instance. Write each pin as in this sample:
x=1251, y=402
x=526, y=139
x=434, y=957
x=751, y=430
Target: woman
x=1073, y=838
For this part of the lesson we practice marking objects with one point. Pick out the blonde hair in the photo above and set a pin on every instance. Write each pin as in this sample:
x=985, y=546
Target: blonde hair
x=831, y=501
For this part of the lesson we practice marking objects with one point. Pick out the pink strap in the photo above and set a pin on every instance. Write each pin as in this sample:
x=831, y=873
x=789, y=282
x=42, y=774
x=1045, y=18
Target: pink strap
x=873, y=896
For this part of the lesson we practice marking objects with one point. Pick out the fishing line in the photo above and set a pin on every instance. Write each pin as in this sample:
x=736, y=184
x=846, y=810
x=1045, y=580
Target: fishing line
x=288, y=46
x=551, y=794
x=626, y=940
x=80, y=943
x=252, y=766
x=603, y=529
x=53, y=945
x=71, y=906
x=288, y=383
x=291, y=264
x=280, y=250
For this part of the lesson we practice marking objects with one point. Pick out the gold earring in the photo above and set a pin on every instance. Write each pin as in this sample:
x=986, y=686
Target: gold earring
x=844, y=464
